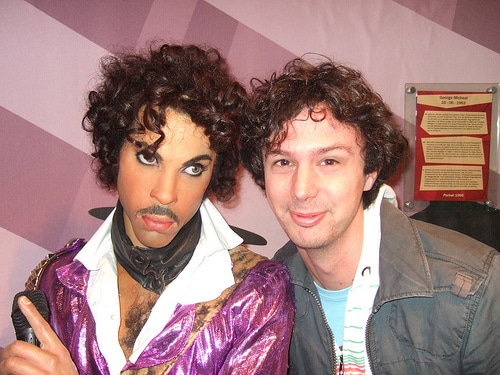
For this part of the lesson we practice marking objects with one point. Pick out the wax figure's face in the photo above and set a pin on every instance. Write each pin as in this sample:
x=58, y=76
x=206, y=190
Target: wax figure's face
x=315, y=181
x=160, y=196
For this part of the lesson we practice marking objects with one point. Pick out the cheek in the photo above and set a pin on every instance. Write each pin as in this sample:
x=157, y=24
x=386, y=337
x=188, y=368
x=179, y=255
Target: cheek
x=191, y=195
x=196, y=186
x=132, y=188
x=192, y=191
x=276, y=189
x=125, y=183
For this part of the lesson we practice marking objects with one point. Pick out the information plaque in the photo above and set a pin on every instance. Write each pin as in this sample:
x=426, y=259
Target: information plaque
x=453, y=134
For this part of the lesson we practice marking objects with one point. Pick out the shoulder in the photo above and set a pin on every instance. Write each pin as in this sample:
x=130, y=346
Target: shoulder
x=441, y=256
x=257, y=274
x=436, y=241
x=467, y=265
x=439, y=242
x=286, y=252
x=53, y=261
x=248, y=263
x=244, y=259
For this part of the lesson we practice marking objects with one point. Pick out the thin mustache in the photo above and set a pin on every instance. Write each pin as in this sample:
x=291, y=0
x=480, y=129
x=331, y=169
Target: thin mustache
x=159, y=211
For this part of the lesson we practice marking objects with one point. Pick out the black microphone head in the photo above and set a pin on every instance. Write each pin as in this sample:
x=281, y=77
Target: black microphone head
x=38, y=299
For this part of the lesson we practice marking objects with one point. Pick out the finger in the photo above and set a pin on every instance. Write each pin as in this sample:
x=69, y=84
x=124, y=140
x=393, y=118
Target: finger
x=19, y=358
x=41, y=327
x=22, y=358
x=51, y=358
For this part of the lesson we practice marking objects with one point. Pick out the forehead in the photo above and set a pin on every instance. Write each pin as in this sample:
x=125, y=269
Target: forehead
x=318, y=128
x=178, y=127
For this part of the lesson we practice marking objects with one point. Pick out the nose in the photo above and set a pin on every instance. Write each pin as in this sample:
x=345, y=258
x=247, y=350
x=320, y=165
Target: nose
x=164, y=188
x=304, y=183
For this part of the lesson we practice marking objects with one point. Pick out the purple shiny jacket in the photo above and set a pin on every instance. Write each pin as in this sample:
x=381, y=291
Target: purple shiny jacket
x=249, y=335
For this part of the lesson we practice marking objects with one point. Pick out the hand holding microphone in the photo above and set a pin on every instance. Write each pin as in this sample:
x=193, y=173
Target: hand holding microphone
x=24, y=331
x=21, y=358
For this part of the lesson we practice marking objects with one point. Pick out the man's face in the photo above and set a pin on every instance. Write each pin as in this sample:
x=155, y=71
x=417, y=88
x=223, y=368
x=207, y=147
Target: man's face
x=161, y=195
x=314, y=183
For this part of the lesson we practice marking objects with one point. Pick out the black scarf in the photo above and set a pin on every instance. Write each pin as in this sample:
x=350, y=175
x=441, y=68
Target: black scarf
x=155, y=268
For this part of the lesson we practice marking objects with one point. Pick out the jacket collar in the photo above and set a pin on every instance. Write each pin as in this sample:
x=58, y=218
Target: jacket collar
x=404, y=271
x=299, y=275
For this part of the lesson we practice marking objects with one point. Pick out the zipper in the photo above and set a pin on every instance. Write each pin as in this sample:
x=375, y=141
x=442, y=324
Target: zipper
x=367, y=341
x=330, y=334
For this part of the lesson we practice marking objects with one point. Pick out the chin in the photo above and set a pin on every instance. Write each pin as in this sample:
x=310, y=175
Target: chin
x=155, y=243
x=307, y=242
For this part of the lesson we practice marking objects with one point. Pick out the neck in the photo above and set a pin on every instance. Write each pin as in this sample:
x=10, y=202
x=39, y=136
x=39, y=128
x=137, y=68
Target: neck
x=154, y=269
x=332, y=272
x=334, y=267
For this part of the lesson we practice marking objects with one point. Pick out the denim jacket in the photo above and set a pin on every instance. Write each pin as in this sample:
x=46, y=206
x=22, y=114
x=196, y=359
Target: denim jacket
x=437, y=310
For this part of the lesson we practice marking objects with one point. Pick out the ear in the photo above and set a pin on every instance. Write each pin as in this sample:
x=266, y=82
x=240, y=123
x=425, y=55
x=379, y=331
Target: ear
x=370, y=179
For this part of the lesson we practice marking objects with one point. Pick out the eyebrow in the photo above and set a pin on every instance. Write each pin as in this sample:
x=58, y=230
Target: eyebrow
x=187, y=163
x=197, y=159
x=313, y=152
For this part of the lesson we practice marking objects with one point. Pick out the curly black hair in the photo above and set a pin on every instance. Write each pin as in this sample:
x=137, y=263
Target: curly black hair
x=135, y=92
x=338, y=89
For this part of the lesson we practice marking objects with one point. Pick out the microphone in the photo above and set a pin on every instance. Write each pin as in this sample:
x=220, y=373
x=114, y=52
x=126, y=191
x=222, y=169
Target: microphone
x=22, y=327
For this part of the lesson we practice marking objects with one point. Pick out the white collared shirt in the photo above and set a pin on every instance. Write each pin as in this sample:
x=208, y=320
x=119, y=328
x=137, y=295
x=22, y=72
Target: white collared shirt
x=194, y=284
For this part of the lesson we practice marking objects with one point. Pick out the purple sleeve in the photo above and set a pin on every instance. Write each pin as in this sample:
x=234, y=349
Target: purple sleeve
x=264, y=313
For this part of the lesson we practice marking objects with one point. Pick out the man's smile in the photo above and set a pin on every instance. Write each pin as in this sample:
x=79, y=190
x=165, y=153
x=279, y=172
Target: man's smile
x=308, y=219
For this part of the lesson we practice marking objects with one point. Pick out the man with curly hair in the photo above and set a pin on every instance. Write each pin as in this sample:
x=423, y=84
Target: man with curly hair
x=164, y=285
x=375, y=291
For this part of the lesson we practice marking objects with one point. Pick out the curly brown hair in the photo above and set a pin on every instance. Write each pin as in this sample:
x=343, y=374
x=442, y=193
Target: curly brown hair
x=339, y=89
x=135, y=92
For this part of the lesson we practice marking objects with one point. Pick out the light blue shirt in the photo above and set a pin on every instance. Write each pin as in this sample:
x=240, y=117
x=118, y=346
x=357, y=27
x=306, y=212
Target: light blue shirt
x=334, y=304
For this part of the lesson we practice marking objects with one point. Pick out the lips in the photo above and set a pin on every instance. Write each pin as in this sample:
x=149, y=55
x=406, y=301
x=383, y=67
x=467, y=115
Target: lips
x=307, y=219
x=157, y=223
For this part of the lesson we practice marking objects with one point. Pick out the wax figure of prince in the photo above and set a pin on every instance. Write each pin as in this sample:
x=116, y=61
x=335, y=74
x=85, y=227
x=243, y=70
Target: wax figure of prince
x=164, y=285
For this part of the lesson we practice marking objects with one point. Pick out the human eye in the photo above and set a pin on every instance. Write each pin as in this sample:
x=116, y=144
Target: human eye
x=146, y=159
x=282, y=163
x=195, y=169
x=278, y=162
x=330, y=162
